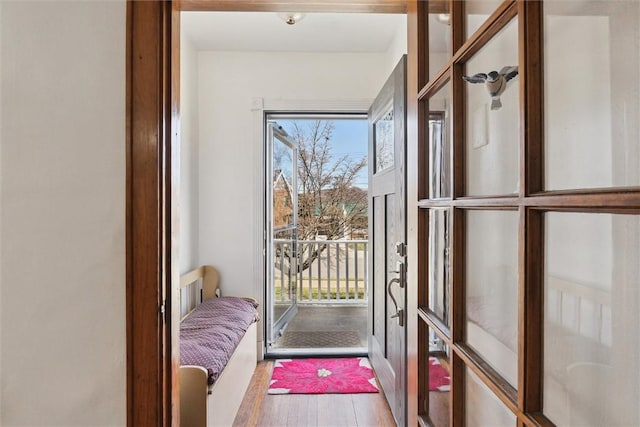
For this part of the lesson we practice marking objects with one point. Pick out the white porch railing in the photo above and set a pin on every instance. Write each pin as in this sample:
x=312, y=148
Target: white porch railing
x=329, y=271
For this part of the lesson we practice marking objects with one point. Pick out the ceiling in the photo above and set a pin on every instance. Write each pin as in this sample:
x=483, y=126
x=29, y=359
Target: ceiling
x=316, y=32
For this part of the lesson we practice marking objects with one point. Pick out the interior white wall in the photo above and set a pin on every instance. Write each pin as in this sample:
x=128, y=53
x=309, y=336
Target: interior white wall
x=584, y=253
x=63, y=203
x=398, y=46
x=229, y=152
x=578, y=104
x=188, y=203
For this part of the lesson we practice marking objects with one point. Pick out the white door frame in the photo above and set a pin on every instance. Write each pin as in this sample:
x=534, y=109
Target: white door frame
x=259, y=107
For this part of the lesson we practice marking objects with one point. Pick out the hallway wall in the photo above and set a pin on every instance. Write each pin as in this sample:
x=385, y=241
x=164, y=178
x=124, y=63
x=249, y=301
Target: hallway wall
x=189, y=149
x=231, y=156
x=62, y=174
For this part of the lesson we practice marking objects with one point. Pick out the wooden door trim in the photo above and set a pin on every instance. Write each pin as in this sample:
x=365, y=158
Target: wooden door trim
x=337, y=6
x=148, y=264
x=414, y=225
x=152, y=150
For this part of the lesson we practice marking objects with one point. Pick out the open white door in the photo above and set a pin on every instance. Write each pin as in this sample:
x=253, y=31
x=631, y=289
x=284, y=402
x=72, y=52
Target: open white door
x=282, y=224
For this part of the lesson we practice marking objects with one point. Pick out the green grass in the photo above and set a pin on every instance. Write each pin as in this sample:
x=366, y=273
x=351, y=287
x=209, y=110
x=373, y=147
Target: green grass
x=359, y=246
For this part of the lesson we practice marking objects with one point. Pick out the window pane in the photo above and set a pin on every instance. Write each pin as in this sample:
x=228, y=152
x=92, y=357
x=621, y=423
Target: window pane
x=482, y=407
x=439, y=262
x=384, y=141
x=492, y=289
x=440, y=143
x=439, y=381
x=592, y=102
x=493, y=116
x=592, y=325
x=477, y=12
x=283, y=179
x=284, y=270
x=439, y=38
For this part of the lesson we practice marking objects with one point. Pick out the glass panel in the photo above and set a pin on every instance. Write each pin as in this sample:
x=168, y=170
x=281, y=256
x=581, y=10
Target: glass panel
x=384, y=141
x=440, y=143
x=439, y=36
x=592, y=320
x=439, y=262
x=493, y=116
x=284, y=272
x=482, y=407
x=439, y=381
x=477, y=12
x=492, y=289
x=592, y=131
x=282, y=184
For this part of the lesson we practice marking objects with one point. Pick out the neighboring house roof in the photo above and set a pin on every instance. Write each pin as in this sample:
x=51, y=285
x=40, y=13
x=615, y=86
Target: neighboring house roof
x=279, y=178
x=355, y=201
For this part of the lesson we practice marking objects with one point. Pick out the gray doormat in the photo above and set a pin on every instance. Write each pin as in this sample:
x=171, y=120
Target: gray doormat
x=318, y=339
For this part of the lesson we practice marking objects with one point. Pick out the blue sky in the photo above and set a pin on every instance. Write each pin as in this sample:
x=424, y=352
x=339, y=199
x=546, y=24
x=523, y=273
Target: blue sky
x=350, y=137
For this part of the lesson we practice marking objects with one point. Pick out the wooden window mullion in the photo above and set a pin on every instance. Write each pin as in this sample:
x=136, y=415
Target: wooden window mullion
x=531, y=97
x=531, y=313
x=457, y=315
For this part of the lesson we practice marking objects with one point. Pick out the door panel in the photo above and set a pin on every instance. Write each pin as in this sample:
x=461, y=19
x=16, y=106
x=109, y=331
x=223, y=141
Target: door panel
x=282, y=224
x=379, y=267
x=387, y=201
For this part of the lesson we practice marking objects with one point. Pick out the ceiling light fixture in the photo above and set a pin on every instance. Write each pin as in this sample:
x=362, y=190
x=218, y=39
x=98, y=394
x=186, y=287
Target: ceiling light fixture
x=291, y=18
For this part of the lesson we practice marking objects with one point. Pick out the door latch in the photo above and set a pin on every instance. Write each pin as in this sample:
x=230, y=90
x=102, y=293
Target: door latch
x=400, y=315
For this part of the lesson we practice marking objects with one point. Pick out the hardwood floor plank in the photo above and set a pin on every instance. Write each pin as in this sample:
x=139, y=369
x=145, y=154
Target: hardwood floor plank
x=301, y=410
x=372, y=410
x=335, y=410
x=250, y=410
x=274, y=411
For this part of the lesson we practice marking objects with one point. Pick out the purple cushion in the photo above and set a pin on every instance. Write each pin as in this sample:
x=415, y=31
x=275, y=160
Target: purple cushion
x=211, y=333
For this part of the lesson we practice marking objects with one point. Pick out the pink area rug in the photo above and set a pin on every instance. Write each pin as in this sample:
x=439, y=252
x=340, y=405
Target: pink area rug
x=439, y=379
x=316, y=376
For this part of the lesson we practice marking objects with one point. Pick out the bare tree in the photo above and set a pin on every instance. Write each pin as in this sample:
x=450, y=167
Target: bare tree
x=329, y=204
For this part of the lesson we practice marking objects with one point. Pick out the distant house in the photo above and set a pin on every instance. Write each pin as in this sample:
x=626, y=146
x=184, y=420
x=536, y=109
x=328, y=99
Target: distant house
x=336, y=213
x=357, y=226
x=282, y=199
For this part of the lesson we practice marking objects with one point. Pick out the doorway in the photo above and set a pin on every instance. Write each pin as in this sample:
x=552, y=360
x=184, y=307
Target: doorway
x=156, y=36
x=239, y=93
x=316, y=232
x=227, y=118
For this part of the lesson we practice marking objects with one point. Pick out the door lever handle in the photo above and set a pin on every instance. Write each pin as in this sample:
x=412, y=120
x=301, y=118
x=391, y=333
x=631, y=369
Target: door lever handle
x=400, y=315
x=401, y=272
x=399, y=312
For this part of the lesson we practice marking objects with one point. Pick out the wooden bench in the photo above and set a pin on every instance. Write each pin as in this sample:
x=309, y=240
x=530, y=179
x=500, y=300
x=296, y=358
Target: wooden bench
x=202, y=404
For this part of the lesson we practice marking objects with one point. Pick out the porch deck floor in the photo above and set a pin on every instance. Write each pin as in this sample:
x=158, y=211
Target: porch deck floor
x=326, y=326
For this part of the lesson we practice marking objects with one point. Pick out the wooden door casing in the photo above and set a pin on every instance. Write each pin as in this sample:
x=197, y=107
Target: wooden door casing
x=153, y=43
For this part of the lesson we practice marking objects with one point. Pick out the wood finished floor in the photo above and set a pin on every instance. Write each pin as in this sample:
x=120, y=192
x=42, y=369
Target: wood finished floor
x=305, y=410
